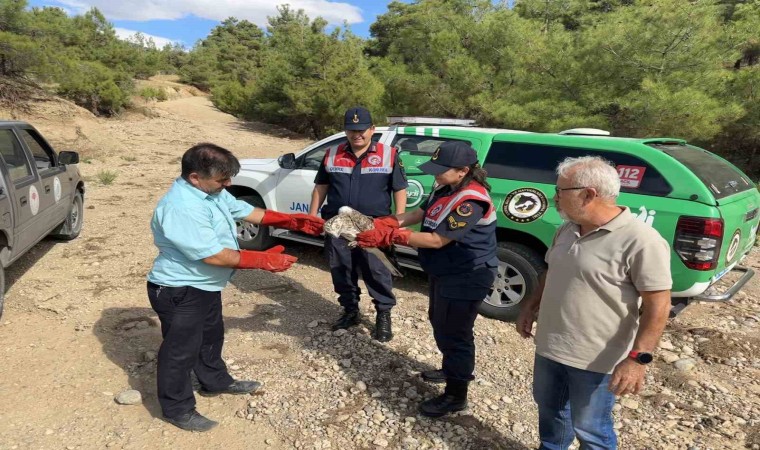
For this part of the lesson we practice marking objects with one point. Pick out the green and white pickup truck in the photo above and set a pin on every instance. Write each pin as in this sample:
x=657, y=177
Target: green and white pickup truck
x=41, y=193
x=705, y=208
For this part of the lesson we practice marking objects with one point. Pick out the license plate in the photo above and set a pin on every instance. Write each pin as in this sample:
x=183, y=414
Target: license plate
x=722, y=273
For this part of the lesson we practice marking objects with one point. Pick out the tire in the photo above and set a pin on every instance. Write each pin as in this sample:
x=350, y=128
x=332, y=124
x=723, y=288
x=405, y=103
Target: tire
x=72, y=226
x=519, y=269
x=2, y=290
x=250, y=236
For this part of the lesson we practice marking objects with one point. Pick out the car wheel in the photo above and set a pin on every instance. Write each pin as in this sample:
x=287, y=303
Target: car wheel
x=250, y=236
x=517, y=278
x=2, y=289
x=72, y=226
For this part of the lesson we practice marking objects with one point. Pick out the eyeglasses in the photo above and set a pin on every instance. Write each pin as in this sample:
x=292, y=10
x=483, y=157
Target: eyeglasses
x=559, y=190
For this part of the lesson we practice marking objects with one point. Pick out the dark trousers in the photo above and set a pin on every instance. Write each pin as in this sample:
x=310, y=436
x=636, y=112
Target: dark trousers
x=193, y=331
x=345, y=265
x=454, y=302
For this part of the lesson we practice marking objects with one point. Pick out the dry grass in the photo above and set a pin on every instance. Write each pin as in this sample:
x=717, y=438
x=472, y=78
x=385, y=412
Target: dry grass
x=721, y=345
x=721, y=348
x=753, y=437
x=17, y=94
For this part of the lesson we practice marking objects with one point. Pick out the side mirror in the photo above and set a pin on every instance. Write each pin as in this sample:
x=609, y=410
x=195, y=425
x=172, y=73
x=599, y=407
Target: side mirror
x=68, y=158
x=287, y=161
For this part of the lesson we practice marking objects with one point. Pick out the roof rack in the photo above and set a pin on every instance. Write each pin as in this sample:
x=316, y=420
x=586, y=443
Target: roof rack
x=584, y=132
x=407, y=120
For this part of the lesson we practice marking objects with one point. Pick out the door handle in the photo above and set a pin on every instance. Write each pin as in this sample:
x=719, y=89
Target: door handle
x=22, y=200
x=47, y=189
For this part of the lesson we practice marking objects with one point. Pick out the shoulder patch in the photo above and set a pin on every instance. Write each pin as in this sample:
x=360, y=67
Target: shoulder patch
x=465, y=209
x=454, y=224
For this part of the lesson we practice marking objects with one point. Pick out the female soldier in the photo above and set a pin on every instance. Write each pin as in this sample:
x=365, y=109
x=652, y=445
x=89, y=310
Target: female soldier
x=457, y=249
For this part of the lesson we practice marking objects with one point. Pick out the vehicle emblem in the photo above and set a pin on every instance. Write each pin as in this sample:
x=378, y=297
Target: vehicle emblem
x=355, y=119
x=733, y=246
x=524, y=205
x=34, y=200
x=414, y=193
x=57, y=190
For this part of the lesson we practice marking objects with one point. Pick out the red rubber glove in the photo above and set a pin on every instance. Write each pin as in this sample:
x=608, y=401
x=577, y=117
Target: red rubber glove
x=272, y=260
x=305, y=223
x=386, y=221
x=296, y=222
x=383, y=237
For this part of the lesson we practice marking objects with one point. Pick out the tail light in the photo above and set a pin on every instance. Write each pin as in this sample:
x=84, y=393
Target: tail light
x=697, y=242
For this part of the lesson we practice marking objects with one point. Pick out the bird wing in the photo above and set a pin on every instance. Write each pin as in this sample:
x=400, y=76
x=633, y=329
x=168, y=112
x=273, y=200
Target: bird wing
x=385, y=261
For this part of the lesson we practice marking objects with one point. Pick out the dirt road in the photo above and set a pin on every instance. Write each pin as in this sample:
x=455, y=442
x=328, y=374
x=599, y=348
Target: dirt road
x=78, y=330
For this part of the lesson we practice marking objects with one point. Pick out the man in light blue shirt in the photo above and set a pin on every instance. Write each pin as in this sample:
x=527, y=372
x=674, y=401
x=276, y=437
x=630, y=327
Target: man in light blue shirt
x=194, y=229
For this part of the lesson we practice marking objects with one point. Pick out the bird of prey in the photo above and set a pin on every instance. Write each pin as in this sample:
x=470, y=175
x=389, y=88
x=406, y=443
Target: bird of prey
x=347, y=224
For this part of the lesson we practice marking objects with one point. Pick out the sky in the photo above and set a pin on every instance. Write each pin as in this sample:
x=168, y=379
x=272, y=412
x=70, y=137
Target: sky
x=187, y=21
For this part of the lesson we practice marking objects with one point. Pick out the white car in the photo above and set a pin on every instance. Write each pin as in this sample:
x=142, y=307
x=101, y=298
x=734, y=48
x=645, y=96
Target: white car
x=285, y=184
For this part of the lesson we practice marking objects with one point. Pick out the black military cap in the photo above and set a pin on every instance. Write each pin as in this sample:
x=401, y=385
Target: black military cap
x=450, y=154
x=357, y=118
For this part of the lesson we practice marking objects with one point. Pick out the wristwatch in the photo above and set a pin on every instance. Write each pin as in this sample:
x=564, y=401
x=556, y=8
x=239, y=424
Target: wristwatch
x=641, y=357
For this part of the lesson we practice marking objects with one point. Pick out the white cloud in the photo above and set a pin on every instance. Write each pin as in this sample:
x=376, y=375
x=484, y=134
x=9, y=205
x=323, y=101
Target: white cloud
x=255, y=11
x=129, y=35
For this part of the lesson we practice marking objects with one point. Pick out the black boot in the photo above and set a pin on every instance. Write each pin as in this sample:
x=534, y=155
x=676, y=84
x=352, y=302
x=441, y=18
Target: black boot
x=454, y=399
x=238, y=387
x=434, y=376
x=192, y=421
x=347, y=320
x=383, y=332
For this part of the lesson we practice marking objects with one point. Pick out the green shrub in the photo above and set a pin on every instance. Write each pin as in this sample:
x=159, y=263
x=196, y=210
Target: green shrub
x=106, y=177
x=231, y=97
x=153, y=93
x=96, y=87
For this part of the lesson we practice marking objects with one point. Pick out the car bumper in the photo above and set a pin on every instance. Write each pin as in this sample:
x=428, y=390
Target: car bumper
x=746, y=275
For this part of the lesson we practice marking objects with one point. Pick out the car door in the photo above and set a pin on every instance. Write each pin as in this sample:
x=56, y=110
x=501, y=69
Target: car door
x=26, y=188
x=55, y=194
x=6, y=210
x=294, y=187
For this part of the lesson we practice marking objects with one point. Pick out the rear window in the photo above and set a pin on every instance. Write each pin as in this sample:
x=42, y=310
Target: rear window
x=720, y=177
x=537, y=164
